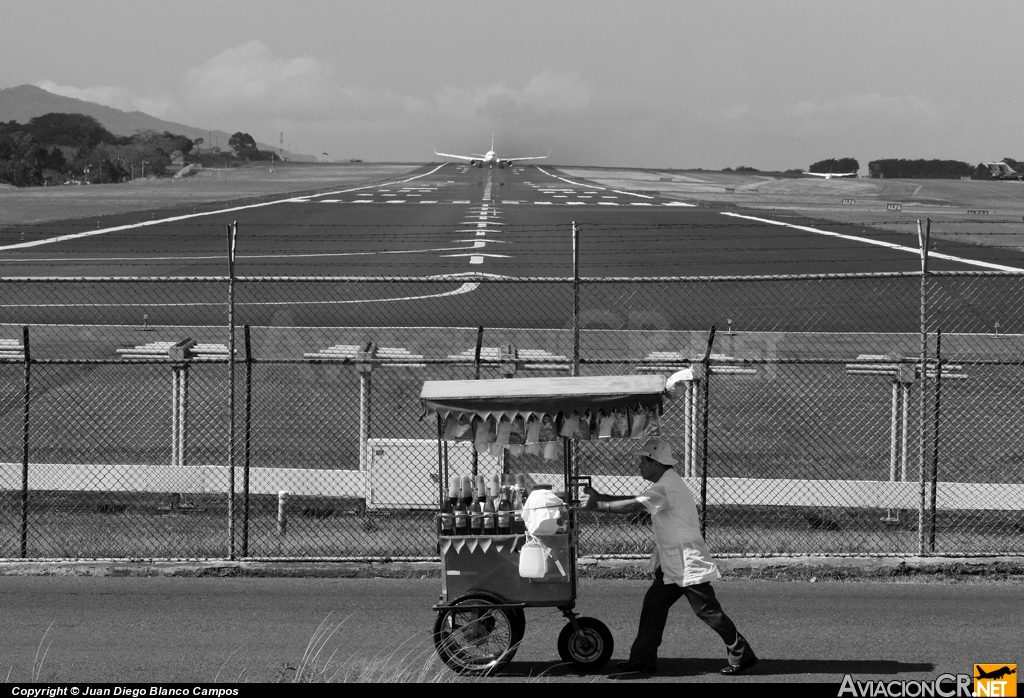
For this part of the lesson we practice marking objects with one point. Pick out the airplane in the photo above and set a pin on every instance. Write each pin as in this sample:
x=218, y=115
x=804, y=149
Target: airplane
x=830, y=175
x=1000, y=170
x=996, y=674
x=490, y=158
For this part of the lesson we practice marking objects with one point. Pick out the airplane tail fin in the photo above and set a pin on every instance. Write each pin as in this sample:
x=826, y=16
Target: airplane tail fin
x=492, y=141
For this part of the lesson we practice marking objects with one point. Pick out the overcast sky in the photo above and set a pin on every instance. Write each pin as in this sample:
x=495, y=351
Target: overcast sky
x=674, y=83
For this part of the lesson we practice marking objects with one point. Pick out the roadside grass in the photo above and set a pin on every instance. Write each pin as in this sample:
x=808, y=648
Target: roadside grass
x=409, y=662
x=42, y=650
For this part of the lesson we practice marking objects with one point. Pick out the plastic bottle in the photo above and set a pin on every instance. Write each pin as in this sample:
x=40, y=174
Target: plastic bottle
x=461, y=510
x=490, y=520
x=448, y=509
x=476, y=510
x=505, y=511
x=489, y=506
x=518, y=525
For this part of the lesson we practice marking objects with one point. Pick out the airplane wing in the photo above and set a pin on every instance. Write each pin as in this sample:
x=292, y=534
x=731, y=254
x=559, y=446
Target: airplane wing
x=460, y=157
x=532, y=157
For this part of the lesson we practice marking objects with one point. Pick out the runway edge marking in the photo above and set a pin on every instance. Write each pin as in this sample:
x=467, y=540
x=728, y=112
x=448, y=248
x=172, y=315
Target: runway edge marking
x=878, y=243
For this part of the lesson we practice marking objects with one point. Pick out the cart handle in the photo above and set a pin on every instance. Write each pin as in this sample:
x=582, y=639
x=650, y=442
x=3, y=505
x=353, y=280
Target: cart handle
x=578, y=481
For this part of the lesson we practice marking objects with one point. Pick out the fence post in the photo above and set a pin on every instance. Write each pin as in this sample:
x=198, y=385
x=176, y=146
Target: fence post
x=935, y=449
x=364, y=367
x=24, y=441
x=706, y=364
x=246, y=442
x=573, y=466
x=232, y=230
x=923, y=236
x=476, y=377
x=442, y=462
x=575, y=300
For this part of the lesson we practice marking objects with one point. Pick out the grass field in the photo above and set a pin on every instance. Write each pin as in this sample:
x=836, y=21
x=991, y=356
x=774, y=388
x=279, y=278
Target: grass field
x=43, y=204
x=795, y=421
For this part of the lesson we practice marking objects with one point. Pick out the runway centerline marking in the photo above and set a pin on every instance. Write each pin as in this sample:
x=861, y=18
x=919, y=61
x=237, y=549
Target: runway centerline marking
x=878, y=243
x=173, y=219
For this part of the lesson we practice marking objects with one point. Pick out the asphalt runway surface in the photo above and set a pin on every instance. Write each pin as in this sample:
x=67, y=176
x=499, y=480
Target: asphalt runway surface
x=163, y=629
x=462, y=222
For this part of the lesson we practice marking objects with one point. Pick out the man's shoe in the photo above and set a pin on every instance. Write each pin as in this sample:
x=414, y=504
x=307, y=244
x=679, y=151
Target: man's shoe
x=638, y=667
x=736, y=669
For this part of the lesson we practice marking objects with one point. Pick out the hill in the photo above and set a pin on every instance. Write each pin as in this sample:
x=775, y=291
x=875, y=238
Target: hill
x=27, y=101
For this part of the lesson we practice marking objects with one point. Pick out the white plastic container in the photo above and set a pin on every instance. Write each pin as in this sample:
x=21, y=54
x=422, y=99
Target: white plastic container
x=533, y=560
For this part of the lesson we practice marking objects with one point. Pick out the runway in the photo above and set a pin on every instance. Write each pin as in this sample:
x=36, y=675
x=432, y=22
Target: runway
x=465, y=223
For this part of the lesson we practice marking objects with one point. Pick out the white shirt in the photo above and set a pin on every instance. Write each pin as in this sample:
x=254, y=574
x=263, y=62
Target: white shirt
x=679, y=550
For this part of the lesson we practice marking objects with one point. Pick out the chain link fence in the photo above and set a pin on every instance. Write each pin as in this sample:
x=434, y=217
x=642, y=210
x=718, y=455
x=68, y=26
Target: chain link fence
x=851, y=414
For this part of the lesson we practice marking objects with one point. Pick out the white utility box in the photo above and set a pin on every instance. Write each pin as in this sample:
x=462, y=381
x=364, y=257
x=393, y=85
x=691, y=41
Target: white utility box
x=403, y=473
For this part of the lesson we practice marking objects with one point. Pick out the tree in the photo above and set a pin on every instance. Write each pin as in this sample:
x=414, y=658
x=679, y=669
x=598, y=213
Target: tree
x=919, y=169
x=77, y=130
x=21, y=159
x=243, y=145
x=835, y=166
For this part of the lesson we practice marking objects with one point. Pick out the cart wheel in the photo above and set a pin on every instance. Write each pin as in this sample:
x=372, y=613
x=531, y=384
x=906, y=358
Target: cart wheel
x=478, y=640
x=587, y=650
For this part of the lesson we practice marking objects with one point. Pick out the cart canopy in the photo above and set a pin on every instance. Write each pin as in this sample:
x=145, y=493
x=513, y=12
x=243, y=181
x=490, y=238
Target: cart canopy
x=513, y=412
x=514, y=397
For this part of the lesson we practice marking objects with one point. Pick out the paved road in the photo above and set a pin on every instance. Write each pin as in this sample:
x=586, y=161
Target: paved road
x=174, y=629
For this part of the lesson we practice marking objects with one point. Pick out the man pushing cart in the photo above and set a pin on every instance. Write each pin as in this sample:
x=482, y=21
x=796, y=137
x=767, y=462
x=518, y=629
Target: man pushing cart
x=489, y=580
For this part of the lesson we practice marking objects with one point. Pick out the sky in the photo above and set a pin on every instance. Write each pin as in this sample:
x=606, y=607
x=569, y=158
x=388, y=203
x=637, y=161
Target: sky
x=633, y=83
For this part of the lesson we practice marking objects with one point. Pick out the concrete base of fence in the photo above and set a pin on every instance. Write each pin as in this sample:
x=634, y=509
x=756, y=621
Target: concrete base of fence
x=805, y=568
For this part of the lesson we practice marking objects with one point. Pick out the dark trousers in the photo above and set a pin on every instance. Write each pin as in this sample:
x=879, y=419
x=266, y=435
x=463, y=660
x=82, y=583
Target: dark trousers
x=659, y=600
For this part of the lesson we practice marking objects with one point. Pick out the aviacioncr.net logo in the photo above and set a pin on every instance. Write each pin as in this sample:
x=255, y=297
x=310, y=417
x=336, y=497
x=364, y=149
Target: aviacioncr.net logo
x=945, y=686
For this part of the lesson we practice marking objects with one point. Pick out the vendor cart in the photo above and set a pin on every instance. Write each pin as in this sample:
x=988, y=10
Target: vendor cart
x=481, y=616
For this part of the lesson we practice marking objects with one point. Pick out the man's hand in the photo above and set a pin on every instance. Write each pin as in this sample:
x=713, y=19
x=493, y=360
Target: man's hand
x=590, y=498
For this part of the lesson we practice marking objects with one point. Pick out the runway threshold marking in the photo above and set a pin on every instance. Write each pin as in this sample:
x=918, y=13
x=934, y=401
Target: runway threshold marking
x=577, y=184
x=173, y=219
x=878, y=243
